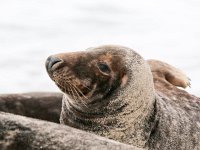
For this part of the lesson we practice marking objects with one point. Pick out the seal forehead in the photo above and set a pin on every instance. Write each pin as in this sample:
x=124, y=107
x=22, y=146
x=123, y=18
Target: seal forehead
x=108, y=58
x=111, y=53
x=126, y=55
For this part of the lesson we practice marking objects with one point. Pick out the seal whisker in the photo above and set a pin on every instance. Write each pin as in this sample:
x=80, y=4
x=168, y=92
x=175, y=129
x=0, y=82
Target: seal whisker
x=86, y=87
x=79, y=97
x=65, y=91
x=68, y=79
x=76, y=90
x=78, y=94
x=71, y=93
x=80, y=91
x=68, y=103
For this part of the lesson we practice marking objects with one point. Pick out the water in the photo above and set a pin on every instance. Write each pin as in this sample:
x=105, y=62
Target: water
x=30, y=31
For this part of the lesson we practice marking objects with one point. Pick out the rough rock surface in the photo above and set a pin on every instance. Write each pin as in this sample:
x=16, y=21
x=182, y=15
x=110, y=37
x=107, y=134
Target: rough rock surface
x=22, y=133
x=40, y=105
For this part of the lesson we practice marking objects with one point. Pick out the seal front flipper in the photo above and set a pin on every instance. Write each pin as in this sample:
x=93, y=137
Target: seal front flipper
x=169, y=73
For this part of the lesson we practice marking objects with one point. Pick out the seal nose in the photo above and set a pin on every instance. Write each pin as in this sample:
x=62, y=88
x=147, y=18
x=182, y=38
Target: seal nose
x=51, y=61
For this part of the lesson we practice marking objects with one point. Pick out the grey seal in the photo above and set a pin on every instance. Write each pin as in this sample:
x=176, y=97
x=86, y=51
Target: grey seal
x=110, y=91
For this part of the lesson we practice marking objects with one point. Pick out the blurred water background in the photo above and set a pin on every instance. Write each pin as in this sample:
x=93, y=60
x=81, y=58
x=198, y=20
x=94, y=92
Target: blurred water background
x=30, y=31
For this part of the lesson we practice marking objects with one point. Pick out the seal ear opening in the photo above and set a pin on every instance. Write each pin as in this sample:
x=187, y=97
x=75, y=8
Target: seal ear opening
x=124, y=80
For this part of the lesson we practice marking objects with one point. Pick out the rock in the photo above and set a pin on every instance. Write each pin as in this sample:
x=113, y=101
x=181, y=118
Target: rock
x=41, y=105
x=23, y=133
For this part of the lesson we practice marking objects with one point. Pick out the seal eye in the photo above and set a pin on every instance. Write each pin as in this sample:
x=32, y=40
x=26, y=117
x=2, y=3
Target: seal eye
x=104, y=68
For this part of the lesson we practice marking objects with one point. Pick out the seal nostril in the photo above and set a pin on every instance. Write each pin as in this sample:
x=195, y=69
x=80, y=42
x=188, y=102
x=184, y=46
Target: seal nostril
x=51, y=61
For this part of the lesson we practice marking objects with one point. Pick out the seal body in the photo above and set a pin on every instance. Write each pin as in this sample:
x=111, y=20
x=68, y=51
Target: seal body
x=110, y=91
x=177, y=114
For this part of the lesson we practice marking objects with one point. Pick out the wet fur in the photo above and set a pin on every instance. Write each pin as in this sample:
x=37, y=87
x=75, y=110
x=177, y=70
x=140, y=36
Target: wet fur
x=137, y=109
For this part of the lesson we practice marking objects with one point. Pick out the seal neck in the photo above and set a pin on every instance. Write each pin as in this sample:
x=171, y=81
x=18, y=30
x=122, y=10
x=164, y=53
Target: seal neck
x=134, y=121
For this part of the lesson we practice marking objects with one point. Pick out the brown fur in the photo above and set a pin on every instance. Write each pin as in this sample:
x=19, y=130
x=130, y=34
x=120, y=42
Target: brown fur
x=124, y=102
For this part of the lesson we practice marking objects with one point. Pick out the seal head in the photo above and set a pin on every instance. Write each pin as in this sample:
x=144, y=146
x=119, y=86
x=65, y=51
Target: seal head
x=87, y=77
x=107, y=90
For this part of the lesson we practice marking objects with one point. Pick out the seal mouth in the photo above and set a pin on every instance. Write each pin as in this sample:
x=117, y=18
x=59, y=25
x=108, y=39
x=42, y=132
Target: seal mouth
x=76, y=92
